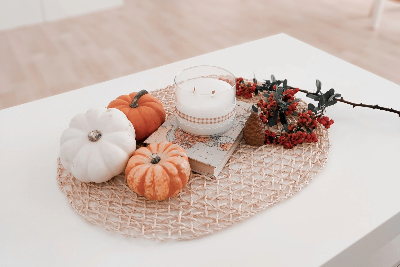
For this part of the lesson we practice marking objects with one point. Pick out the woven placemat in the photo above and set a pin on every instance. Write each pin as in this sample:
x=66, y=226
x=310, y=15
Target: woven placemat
x=252, y=180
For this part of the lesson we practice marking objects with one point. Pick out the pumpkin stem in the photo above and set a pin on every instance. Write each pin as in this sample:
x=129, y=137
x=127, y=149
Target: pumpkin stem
x=135, y=100
x=94, y=136
x=155, y=158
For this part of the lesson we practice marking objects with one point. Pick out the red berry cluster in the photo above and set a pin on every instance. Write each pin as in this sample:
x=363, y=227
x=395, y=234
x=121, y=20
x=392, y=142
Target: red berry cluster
x=288, y=95
x=267, y=108
x=243, y=89
x=289, y=140
x=297, y=133
x=291, y=108
x=307, y=120
x=270, y=138
x=325, y=121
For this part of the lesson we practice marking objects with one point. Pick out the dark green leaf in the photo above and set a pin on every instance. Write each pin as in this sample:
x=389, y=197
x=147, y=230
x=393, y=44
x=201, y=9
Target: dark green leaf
x=286, y=128
x=255, y=80
x=285, y=83
x=272, y=121
x=283, y=104
x=338, y=95
x=279, y=92
x=308, y=130
x=255, y=109
x=331, y=98
x=312, y=96
x=329, y=93
x=256, y=91
x=282, y=118
x=318, y=83
x=311, y=107
x=266, y=95
x=321, y=102
x=295, y=113
x=273, y=78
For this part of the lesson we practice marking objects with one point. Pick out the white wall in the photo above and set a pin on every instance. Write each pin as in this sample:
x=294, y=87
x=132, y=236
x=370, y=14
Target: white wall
x=15, y=13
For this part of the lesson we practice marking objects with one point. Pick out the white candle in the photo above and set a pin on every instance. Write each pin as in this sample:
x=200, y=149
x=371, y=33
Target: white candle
x=205, y=98
x=202, y=103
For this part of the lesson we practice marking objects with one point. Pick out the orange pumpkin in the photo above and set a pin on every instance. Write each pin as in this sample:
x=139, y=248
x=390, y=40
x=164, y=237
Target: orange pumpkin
x=158, y=171
x=145, y=112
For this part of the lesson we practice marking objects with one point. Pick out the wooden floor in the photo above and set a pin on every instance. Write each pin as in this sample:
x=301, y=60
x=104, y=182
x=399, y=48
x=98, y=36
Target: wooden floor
x=47, y=59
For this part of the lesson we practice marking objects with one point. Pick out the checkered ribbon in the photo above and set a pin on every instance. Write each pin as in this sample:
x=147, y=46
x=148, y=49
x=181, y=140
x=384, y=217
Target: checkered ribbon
x=205, y=120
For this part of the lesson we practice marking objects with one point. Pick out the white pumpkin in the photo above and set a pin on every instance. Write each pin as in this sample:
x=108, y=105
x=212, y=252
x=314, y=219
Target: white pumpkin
x=97, y=145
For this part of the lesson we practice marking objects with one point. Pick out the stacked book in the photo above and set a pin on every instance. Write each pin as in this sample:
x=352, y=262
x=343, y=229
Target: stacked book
x=207, y=154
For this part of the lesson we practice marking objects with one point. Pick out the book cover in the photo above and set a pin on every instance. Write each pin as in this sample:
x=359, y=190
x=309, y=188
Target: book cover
x=207, y=155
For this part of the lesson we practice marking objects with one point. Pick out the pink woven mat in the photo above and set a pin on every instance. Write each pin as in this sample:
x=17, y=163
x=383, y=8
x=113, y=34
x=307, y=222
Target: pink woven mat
x=252, y=180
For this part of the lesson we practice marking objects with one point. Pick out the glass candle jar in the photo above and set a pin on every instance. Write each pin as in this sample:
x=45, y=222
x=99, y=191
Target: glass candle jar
x=205, y=98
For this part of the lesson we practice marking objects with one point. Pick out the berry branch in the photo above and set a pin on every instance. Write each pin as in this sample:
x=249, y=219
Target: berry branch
x=354, y=104
x=279, y=102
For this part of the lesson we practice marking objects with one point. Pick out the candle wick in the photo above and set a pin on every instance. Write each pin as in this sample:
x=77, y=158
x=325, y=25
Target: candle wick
x=194, y=89
x=213, y=92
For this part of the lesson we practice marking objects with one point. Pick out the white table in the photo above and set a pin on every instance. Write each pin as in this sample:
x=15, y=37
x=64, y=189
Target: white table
x=349, y=210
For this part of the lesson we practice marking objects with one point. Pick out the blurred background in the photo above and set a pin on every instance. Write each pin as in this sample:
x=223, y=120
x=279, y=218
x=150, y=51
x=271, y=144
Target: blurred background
x=49, y=47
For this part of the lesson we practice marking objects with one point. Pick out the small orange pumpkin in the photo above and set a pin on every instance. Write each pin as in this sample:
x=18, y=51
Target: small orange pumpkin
x=158, y=171
x=145, y=112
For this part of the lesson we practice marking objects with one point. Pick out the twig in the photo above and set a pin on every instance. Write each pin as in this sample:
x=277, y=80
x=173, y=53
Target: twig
x=355, y=104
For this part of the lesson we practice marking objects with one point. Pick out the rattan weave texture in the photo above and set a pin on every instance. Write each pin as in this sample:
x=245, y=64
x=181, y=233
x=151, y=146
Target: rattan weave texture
x=252, y=180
